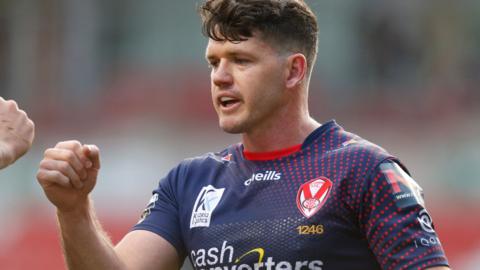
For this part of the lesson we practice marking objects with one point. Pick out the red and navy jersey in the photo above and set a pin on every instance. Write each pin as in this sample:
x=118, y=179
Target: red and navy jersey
x=339, y=202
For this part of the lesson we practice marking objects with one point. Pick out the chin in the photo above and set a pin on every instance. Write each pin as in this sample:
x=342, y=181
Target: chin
x=232, y=128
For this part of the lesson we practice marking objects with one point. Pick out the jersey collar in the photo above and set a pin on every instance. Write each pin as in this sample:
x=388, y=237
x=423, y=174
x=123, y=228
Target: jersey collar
x=264, y=156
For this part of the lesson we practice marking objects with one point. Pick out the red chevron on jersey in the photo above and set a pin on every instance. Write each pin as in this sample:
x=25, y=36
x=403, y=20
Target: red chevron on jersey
x=312, y=195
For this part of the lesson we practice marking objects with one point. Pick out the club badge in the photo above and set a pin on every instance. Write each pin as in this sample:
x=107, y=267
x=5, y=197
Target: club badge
x=312, y=195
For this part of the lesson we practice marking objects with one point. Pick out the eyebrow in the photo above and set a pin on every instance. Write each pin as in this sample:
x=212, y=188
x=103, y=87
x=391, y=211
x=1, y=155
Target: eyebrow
x=231, y=54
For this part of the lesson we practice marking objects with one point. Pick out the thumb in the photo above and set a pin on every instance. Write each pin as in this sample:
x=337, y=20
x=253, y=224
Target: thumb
x=93, y=154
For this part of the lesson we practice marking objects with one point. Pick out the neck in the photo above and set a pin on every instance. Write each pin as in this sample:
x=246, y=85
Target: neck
x=288, y=126
x=279, y=136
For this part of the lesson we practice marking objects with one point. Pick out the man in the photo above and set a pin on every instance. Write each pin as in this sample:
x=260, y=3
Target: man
x=16, y=132
x=292, y=195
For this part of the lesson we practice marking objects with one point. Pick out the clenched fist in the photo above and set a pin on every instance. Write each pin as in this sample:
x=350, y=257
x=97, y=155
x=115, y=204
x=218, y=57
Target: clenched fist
x=16, y=132
x=68, y=173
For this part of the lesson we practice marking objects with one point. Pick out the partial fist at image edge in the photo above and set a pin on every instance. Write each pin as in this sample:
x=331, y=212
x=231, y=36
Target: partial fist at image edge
x=17, y=132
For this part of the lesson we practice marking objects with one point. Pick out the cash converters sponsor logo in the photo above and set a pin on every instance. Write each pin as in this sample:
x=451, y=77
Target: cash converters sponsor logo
x=312, y=195
x=267, y=176
x=207, y=201
x=223, y=259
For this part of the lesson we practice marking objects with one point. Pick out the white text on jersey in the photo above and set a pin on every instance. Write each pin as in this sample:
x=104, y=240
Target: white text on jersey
x=267, y=176
x=222, y=258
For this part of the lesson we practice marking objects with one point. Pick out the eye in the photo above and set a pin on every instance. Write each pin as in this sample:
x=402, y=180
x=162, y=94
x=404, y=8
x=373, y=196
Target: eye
x=241, y=61
x=212, y=63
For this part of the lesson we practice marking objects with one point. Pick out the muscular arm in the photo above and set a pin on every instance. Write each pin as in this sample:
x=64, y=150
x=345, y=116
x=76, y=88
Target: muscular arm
x=147, y=250
x=84, y=242
x=86, y=246
x=67, y=175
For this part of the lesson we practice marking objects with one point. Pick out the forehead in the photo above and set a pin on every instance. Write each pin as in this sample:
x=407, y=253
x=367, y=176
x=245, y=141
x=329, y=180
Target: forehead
x=251, y=46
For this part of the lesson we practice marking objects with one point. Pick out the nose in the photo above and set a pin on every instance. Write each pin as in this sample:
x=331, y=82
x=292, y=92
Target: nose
x=221, y=75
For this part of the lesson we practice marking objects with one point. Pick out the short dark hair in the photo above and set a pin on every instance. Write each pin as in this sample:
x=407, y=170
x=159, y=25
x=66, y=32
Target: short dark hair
x=285, y=24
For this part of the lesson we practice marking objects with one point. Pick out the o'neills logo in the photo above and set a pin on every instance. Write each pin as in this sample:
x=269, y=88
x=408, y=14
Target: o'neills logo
x=267, y=176
x=312, y=195
x=222, y=258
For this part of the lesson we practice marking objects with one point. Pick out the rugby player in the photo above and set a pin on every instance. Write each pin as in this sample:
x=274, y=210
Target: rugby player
x=293, y=194
x=16, y=132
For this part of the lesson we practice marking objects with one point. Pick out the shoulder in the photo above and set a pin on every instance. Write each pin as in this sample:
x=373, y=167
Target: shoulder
x=335, y=140
x=210, y=159
x=192, y=174
x=358, y=159
x=203, y=164
x=360, y=152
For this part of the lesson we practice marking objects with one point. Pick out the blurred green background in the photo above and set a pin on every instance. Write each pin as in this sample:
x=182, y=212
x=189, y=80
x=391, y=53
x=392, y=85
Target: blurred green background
x=130, y=76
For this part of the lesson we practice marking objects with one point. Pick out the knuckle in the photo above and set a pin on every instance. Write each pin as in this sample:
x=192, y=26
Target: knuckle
x=69, y=156
x=48, y=151
x=75, y=143
x=63, y=166
x=70, y=144
x=44, y=163
x=12, y=107
x=71, y=159
x=58, y=175
x=23, y=114
x=11, y=104
x=40, y=175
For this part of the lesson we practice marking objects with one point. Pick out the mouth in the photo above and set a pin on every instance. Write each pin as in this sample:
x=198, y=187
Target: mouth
x=228, y=102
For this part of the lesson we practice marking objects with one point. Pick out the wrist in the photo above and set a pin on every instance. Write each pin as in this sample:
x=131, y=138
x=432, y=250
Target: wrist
x=78, y=215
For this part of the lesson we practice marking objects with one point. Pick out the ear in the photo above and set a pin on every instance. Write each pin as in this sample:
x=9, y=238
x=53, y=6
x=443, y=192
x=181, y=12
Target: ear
x=296, y=70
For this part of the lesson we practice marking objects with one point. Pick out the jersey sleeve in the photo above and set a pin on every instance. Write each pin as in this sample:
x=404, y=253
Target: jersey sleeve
x=399, y=230
x=161, y=215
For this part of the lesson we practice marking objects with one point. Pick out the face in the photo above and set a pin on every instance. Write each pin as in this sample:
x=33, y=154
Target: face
x=247, y=84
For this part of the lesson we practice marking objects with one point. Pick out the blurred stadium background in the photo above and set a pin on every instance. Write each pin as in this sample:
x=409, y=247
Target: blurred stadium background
x=130, y=77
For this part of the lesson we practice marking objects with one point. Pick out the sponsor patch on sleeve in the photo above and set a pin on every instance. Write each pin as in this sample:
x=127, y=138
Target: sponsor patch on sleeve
x=148, y=209
x=207, y=201
x=405, y=190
